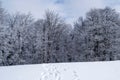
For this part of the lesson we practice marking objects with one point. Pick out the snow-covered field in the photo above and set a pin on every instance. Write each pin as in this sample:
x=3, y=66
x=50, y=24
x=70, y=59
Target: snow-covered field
x=63, y=71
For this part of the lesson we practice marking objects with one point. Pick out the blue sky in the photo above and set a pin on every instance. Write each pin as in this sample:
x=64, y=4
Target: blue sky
x=68, y=9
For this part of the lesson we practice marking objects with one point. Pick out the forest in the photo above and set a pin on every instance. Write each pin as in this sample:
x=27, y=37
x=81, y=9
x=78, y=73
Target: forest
x=25, y=40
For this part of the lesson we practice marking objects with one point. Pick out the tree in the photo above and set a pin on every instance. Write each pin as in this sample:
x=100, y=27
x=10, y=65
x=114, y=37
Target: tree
x=53, y=27
x=102, y=34
x=15, y=37
x=79, y=40
x=2, y=33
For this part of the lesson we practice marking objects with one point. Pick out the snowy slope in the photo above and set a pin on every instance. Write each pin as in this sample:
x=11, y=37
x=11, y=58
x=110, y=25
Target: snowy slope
x=63, y=71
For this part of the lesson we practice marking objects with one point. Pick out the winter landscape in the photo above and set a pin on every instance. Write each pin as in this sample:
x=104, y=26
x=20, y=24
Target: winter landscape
x=54, y=38
x=59, y=39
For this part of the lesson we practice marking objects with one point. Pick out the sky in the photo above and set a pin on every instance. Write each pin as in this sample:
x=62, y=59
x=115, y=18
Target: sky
x=70, y=10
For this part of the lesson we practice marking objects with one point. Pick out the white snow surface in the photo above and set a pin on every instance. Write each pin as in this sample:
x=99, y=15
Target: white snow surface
x=63, y=71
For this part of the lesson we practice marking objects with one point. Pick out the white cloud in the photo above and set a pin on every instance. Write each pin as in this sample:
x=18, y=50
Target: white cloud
x=69, y=9
x=77, y=8
x=36, y=7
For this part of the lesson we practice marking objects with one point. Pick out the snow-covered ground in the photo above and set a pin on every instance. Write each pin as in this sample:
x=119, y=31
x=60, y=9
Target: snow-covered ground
x=63, y=71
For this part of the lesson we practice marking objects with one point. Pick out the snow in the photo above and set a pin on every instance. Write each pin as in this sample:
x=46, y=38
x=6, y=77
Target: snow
x=63, y=71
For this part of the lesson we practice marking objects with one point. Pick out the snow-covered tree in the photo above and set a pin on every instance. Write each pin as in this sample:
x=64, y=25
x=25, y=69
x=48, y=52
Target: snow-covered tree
x=79, y=40
x=103, y=30
x=53, y=27
x=15, y=37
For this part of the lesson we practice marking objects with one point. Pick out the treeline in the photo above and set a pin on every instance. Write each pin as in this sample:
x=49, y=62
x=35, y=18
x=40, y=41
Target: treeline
x=24, y=40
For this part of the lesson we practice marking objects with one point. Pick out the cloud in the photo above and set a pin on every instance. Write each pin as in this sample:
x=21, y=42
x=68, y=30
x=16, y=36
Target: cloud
x=36, y=7
x=77, y=8
x=70, y=10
